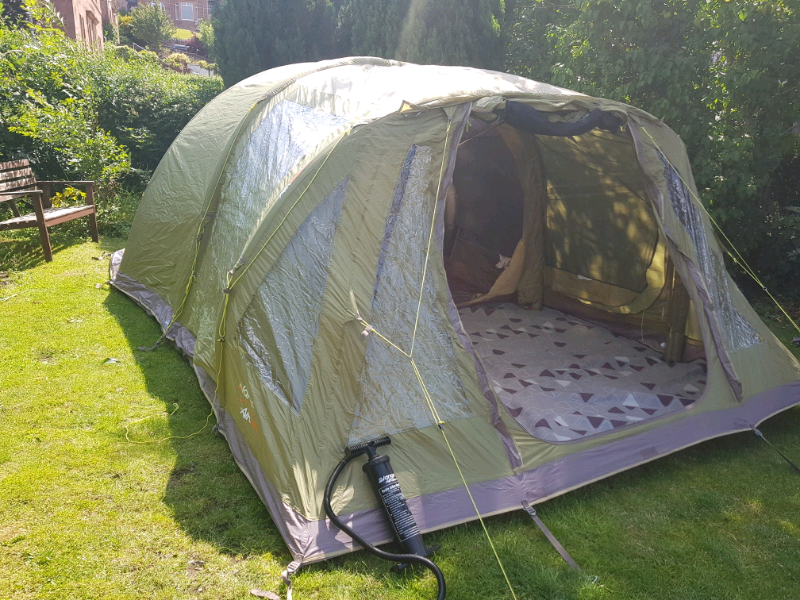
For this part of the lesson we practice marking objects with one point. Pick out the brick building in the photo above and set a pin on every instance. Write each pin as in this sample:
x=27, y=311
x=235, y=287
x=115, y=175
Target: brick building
x=187, y=14
x=85, y=19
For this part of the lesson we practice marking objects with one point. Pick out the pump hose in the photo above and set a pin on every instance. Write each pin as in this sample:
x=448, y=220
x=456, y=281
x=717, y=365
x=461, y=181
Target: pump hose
x=408, y=558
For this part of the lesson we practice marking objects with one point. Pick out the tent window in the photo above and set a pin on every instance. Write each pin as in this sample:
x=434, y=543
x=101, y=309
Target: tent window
x=391, y=397
x=287, y=134
x=738, y=332
x=277, y=335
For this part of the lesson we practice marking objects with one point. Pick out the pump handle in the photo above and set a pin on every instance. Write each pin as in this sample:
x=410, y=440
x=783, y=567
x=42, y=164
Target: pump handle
x=359, y=449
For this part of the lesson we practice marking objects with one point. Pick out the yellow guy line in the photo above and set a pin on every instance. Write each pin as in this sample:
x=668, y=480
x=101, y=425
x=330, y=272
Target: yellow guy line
x=738, y=259
x=430, y=234
x=428, y=398
x=171, y=437
x=221, y=329
x=440, y=423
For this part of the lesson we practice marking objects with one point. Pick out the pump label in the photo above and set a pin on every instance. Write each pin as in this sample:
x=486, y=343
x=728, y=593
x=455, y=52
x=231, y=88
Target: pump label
x=396, y=506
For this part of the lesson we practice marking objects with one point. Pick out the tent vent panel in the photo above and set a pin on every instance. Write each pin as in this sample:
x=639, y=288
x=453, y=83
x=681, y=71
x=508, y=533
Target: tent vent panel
x=738, y=332
x=391, y=398
x=278, y=330
x=285, y=135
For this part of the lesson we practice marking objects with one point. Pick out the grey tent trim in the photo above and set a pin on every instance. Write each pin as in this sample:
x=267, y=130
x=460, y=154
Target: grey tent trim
x=538, y=297
x=311, y=541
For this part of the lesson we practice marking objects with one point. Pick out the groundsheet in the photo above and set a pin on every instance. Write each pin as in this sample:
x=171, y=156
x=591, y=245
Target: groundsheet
x=563, y=379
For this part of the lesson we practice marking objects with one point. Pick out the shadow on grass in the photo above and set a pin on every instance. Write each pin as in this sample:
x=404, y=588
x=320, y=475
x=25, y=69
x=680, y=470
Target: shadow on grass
x=209, y=496
x=21, y=250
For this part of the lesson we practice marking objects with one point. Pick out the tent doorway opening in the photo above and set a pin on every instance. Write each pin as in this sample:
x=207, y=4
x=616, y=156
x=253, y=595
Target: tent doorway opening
x=563, y=283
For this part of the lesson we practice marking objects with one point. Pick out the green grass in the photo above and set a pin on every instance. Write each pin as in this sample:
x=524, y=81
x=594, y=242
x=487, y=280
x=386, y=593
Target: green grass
x=183, y=34
x=92, y=505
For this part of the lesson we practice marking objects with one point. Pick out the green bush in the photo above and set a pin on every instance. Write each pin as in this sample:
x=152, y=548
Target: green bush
x=145, y=107
x=80, y=114
x=177, y=61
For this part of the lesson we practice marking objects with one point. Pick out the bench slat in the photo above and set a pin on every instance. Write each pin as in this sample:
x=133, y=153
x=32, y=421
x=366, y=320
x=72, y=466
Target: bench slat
x=15, y=164
x=52, y=216
x=16, y=184
x=15, y=174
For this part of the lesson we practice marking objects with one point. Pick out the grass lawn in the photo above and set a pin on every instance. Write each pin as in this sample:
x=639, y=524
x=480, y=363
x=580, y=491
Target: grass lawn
x=112, y=484
x=183, y=34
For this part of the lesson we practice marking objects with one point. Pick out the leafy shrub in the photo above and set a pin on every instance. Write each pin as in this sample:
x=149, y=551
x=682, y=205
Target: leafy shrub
x=196, y=46
x=80, y=114
x=151, y=23
x=177, y=61
x=145, y=107
x=126, y=36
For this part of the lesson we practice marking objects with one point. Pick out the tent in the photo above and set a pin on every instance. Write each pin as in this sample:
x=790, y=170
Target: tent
x=361, y=247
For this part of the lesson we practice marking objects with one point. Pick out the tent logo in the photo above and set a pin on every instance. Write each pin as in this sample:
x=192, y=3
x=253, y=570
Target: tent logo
x=247, y=406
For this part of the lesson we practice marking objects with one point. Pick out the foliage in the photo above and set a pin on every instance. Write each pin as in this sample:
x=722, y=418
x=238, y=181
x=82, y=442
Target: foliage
x=79, y=114
x=206, y=65
x=372, y=27
x=151, y=24
x=205, y=34
x=443, y=32
x=254, y=35
x=13, y=11
x=723, y=74
x=47, y=108
x=196, y=46
x=126, y=36
x=145, y=107
x=110, y=33
x=453, y=32
x=69, y=130
x=177, y=61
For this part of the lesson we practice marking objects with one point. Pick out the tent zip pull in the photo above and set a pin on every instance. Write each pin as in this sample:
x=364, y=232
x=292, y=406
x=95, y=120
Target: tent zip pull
x=548, y=534
x=795, y=468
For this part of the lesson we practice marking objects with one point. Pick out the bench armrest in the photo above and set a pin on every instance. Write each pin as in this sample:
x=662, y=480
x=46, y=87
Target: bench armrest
x=6, y=196
x=88, y=188
x=66, y=182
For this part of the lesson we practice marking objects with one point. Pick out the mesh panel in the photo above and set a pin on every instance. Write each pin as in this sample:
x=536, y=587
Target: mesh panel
x=278, y=330
x=738, y=333
x=391, y=397
x=287, y=134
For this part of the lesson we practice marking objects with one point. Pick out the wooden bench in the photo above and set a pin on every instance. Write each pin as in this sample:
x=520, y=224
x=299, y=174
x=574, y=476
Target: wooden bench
x=17, y=181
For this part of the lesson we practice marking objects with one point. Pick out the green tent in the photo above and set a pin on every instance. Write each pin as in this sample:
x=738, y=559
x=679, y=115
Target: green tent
x=361, y=247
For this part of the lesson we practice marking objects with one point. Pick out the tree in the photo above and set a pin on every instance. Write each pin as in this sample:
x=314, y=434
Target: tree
x=13, y=11
x=151, y=24
x=453, y=32
x=255, y=35
x=206, y=35
x=371, y=27
x=445, y=32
